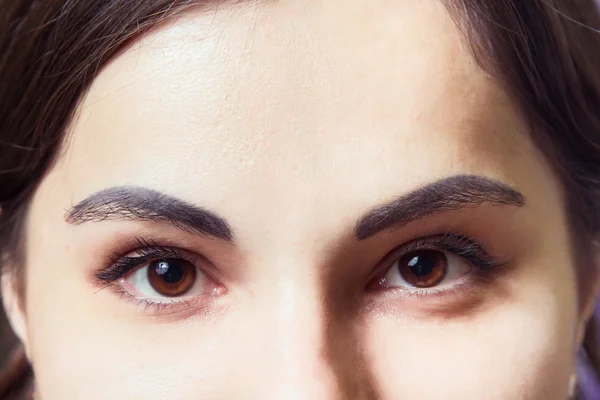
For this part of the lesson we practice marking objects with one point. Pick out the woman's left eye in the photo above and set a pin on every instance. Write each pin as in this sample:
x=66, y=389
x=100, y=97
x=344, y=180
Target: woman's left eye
x=424, y=269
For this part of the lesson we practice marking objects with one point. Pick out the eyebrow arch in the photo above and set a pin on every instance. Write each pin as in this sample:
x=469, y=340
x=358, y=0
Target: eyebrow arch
x=132, y=203
x=448, y=194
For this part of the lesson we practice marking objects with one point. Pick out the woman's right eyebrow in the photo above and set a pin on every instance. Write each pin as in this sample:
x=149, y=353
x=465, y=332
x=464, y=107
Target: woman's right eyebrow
x=135, y=203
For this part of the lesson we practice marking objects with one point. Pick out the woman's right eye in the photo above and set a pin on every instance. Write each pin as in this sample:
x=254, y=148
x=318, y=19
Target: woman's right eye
x=168, y=278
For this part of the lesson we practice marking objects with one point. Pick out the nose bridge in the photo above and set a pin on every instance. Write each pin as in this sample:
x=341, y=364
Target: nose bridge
x=302, y=366
x=312, y=354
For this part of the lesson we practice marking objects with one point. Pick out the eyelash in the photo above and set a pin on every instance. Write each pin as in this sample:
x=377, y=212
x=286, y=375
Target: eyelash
x=147, y=251
x=459, y=245
x=456, y=244
x=122, y=264
x=156, y=305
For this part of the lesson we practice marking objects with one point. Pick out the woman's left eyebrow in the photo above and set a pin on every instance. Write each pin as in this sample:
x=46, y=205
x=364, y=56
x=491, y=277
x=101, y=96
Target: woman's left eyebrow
x=133, y=203
x=448, y=194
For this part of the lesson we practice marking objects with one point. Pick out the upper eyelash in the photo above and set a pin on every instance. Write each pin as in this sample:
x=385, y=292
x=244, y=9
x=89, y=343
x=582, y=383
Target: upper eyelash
x=454, y=243
x=459, y=245
x=121, y=264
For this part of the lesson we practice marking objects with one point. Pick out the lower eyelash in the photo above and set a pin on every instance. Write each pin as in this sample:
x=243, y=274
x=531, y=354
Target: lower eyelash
x=474, y=282
x=155, y=305
x=465, y=283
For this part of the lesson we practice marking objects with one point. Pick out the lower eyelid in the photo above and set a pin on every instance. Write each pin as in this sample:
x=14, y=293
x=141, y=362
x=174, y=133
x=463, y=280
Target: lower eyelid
x=465, y=291
x=180, y=308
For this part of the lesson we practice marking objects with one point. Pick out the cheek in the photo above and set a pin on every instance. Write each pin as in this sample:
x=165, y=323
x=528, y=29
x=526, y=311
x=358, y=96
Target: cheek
x=519, y=352
x=92, y=355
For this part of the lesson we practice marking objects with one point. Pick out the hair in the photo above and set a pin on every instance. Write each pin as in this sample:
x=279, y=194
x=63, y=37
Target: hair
x=545, y=53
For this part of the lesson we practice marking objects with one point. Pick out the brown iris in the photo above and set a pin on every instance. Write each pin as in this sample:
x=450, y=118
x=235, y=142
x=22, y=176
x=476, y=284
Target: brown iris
x=171, y=277
x=423, y=268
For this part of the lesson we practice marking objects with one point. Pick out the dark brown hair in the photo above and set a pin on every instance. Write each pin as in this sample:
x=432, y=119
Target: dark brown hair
x=546, y=53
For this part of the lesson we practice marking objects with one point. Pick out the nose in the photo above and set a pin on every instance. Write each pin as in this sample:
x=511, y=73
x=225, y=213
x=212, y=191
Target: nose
x=307, y=350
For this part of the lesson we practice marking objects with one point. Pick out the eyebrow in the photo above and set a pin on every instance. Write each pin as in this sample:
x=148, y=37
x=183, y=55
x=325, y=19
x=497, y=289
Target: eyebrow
x=133, y=203
x=449, y=194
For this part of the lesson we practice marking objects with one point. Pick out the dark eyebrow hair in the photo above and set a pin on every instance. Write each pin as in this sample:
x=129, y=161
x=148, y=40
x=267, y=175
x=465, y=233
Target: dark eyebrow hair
x=141, y=204
x=453, y=193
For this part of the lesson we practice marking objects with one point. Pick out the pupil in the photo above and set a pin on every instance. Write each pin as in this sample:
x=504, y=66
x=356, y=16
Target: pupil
x=169, y=270
x=421, y=265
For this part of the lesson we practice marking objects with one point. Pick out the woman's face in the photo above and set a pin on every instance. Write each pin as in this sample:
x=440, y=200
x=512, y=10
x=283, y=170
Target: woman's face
x=300, y=200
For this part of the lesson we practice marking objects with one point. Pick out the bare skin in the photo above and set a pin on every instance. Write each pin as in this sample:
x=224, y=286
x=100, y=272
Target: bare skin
x=290, y=121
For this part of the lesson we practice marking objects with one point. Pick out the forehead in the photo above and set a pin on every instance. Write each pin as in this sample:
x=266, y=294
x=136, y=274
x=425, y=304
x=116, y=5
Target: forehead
x=365, y=99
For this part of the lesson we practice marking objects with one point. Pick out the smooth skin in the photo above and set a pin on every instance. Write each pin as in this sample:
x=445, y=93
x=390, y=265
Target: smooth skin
x=290, y=120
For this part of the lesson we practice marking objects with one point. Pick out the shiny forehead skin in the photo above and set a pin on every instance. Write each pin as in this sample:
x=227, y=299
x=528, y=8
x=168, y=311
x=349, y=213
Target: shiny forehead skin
x=299, y=94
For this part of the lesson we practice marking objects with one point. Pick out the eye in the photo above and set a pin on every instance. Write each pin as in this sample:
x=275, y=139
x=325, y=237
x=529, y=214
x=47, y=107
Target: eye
x=168, y=277
x=425, y=268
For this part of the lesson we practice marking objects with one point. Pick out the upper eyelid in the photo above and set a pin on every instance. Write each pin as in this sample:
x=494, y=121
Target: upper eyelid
x=120, y=265
x=431, y=241
x=455, y=239
x=116, y=257
x=155, y=252
x=141, y=244
x=201, y=261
